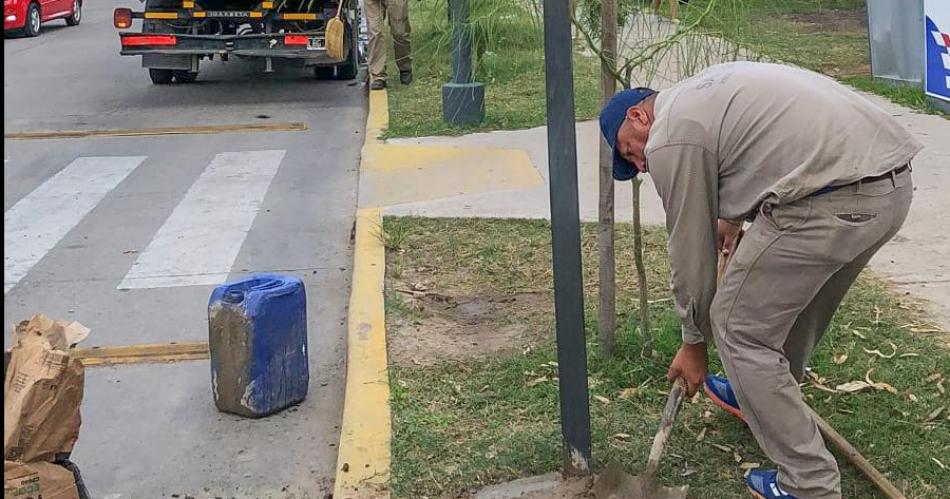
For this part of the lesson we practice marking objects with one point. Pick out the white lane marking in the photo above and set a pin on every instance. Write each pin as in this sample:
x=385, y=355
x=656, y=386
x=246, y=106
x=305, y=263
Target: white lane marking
x=200, y=240
x=36, y=223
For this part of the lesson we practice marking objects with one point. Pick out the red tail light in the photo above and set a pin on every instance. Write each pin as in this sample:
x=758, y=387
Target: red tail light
x=295, y=40
x=122, y=18
x=149, y=40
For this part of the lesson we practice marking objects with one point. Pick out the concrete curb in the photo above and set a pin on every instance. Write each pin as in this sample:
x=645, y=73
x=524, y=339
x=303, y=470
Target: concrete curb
x=363, y=457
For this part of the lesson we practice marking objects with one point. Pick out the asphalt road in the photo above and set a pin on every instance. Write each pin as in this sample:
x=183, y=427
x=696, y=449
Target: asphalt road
x=128, y=236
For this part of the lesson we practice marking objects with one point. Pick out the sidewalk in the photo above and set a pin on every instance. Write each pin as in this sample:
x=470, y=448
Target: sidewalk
x=915, y=260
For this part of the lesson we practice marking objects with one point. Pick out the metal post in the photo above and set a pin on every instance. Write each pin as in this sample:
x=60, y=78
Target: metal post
x=463, y=101
x=566, y=239
x=461, y=42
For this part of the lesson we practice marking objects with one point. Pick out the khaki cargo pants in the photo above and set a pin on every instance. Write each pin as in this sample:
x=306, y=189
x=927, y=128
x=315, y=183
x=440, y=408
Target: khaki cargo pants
x=777, y=297
x=398, y=13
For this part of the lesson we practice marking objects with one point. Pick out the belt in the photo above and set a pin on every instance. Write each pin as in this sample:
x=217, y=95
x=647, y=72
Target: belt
x=865, y=180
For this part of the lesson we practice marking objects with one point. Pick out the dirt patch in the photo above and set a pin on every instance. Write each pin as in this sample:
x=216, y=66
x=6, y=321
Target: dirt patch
x=442, y=326
x=829, y=20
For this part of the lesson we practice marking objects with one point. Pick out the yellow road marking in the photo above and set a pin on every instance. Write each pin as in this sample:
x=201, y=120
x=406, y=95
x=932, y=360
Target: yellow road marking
x=179, y=130
x=267, y=5
x=136, y=354
x=188, y=4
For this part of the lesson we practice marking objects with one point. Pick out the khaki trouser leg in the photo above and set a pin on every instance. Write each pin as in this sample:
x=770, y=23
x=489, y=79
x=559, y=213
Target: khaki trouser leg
x=777, y=296
x=375, y=11
x=398, y=12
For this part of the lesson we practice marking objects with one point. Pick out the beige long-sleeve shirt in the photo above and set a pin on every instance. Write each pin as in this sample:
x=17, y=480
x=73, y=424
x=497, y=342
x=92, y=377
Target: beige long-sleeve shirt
x=741, y=133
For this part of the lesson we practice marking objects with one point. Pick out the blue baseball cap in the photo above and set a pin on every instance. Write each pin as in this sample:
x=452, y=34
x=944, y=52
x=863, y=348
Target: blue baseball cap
x=612, y=116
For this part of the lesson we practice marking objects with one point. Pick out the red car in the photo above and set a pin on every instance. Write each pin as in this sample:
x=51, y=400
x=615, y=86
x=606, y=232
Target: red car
x=26, y=16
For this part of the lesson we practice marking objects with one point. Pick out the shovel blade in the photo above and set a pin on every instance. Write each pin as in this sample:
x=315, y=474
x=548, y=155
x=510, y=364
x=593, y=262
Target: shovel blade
x=614, y=483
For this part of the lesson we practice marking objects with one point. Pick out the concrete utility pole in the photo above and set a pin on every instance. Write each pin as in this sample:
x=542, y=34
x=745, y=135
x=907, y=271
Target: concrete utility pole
x=463, y=101
x=566, y=239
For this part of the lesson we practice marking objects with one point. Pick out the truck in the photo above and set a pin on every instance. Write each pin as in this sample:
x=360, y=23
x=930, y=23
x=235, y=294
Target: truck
x=177, y=35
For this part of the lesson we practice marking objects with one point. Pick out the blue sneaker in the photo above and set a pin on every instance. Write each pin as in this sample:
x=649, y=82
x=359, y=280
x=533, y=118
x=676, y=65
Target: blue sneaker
x=763, y=484
x=720, y=392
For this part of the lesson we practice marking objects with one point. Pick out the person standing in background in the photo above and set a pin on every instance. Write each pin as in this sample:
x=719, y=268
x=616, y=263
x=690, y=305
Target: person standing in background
x=398, y=13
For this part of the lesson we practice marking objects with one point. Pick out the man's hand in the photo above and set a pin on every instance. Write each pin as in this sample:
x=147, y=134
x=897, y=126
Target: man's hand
x=690, y=364
x=728, y=236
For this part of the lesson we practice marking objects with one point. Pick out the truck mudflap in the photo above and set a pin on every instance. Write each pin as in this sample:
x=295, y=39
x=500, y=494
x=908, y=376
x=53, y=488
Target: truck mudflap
x=310, y=46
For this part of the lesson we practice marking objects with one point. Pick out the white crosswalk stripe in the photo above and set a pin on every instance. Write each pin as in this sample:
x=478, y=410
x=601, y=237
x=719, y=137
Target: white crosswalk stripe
x=200, y=240
x=35, y=224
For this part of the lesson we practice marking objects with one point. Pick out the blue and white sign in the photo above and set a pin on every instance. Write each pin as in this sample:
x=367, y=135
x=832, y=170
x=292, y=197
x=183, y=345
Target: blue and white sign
x=937, y=34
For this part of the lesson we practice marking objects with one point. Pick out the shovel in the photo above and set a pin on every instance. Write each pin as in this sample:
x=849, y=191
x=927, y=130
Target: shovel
x=614, y=483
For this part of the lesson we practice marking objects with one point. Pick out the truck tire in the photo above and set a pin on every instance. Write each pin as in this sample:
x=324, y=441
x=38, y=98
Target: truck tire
x=160, y=76
x=348, y=69
x=185, y=76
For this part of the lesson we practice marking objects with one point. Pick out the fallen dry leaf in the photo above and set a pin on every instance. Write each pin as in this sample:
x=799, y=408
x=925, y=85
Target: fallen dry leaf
x=724, y=448
x=840, y=359
x=912, y=397
x=688, y=472
x=926, y=330
x=942, y=466
x=626, y=393
x=941, y=389
x=881, y=355
x=879, y=385
x=602, y=399
x=859, y=334
x=736, y=456
x=935, y=414
x=536, y=381
x=852, y=386
x=622, y=436
x=909, y=355
x=858, y=385
x=933, y=378
x=749, y=466
x=702, y=435
x=823, y=387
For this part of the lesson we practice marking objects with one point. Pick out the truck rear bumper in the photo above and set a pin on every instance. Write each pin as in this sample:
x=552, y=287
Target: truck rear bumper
x=285, y=46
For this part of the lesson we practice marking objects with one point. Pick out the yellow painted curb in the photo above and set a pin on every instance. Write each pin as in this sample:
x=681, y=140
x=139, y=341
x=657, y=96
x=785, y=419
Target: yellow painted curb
x=363, y=457
x=137, y=354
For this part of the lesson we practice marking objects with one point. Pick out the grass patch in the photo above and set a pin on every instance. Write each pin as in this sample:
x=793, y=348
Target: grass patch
x=511, y=64
x=911, y=97
x=459, y=425
x=829, y=36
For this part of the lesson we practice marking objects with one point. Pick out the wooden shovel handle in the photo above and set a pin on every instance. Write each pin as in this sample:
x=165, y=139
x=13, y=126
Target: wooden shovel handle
x=672, y=407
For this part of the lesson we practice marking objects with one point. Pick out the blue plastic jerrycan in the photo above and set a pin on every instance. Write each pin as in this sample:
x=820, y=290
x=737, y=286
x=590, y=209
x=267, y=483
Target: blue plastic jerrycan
x=257, y=334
